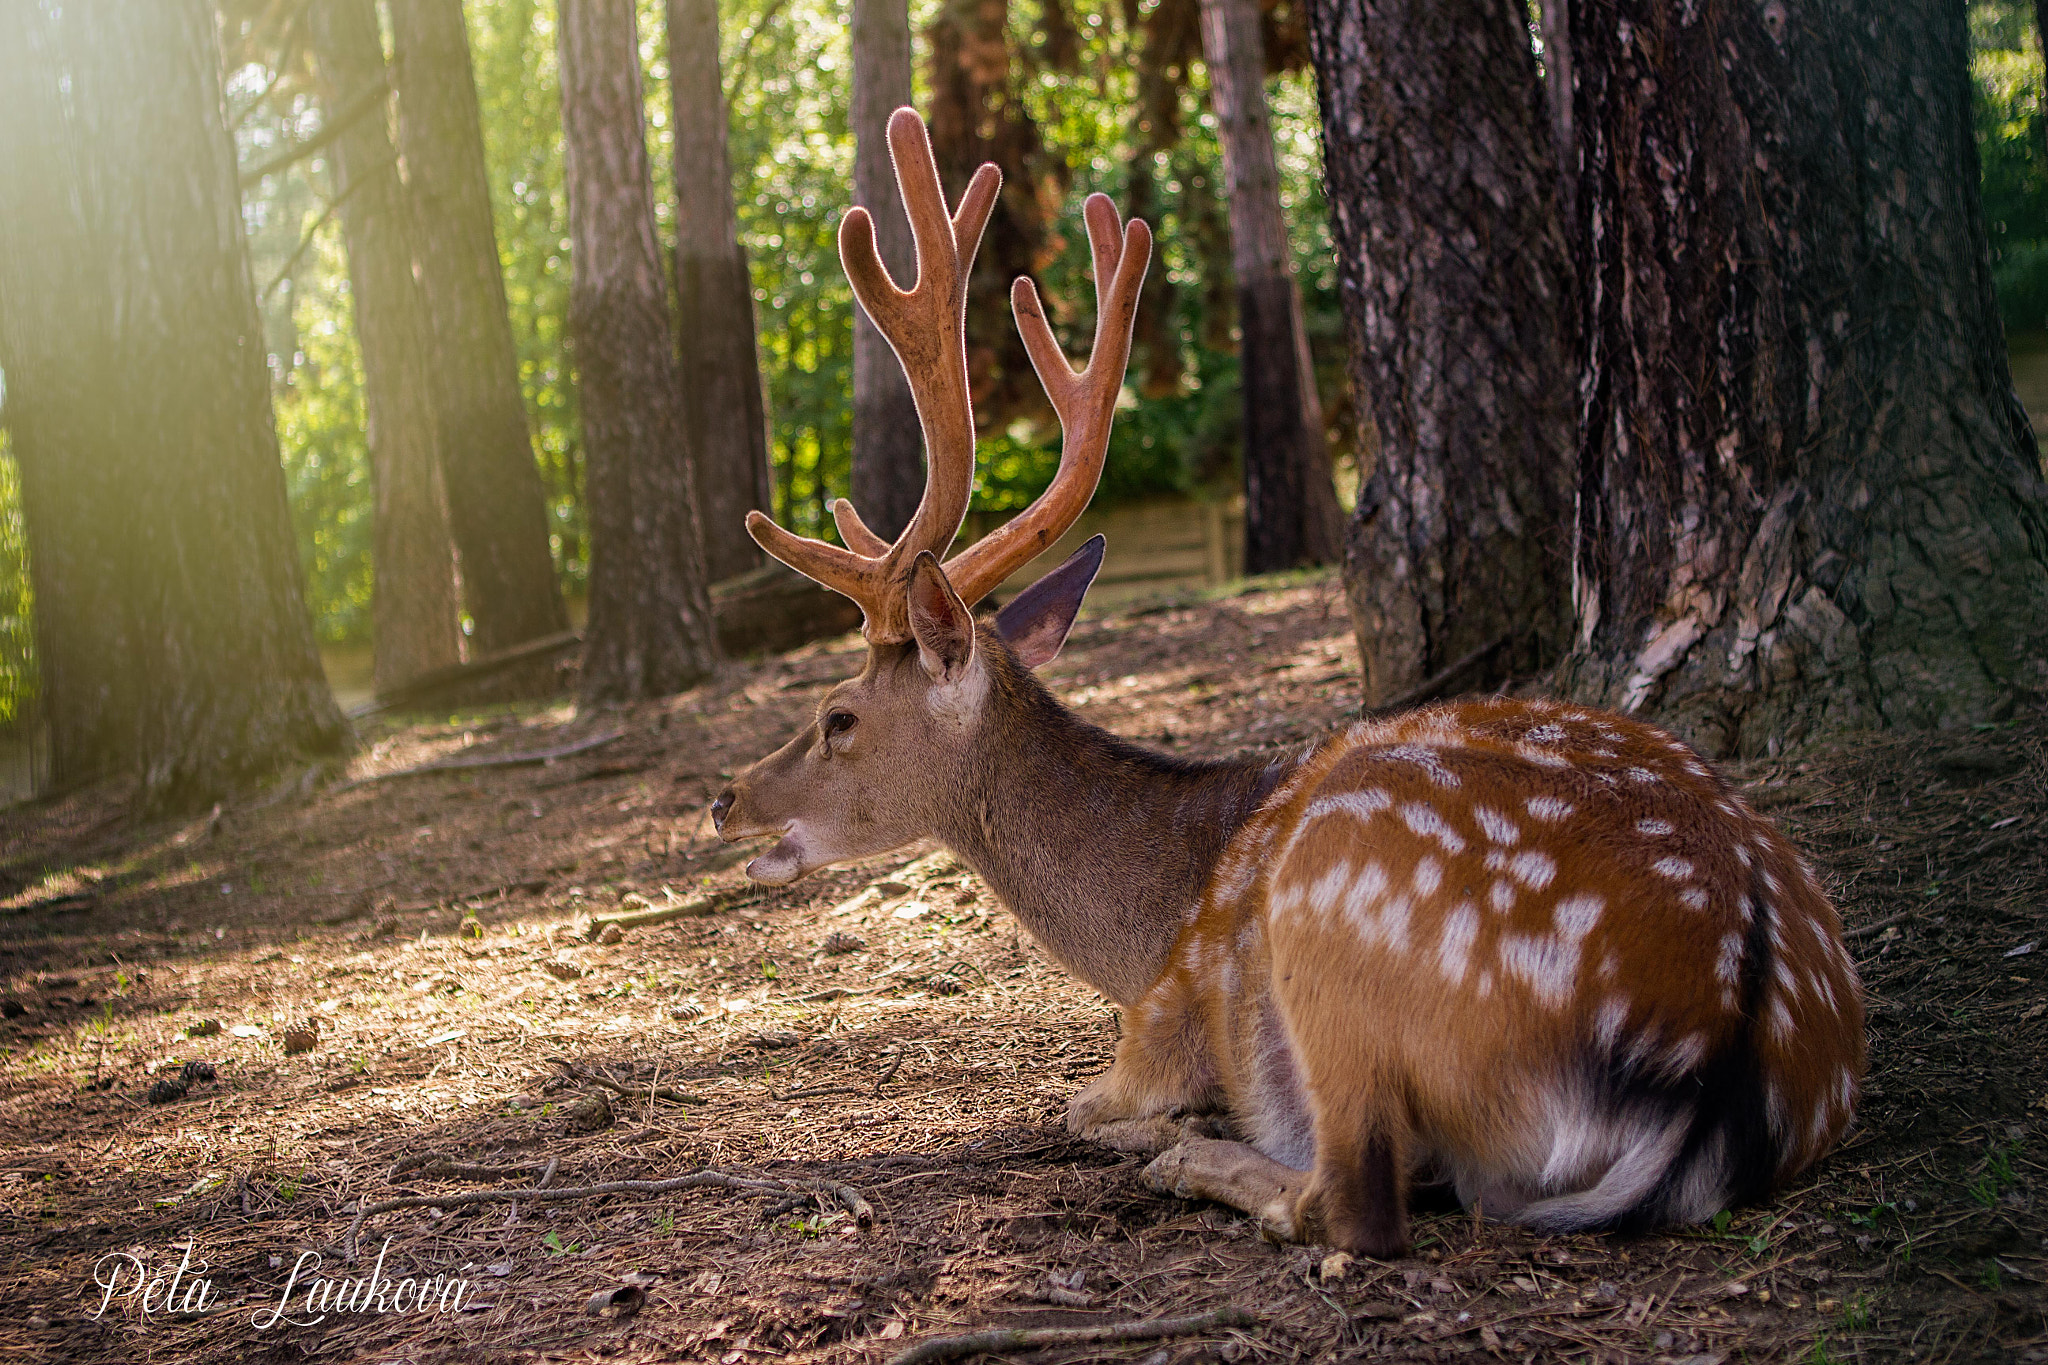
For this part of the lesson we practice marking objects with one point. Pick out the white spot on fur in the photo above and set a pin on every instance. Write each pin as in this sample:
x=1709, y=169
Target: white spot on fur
x=1770, y=880
x=1694, y=766
x=1744, y=856
x=1547, y=734
x=1542, y=757
x=1549, y=966
x=1610, y=966
x=1338, y=884
x=1577, y=916
x=1653, y=827
x=1845, y=1087
x=1425, y=758
x=1496, y=826
x=1686, y=1054
x=1425, y=821
x=1781, y=1020
x=1501, y=896
x=1360, y=805
x=1611, y=1019
x=1694, y=898
x=1643, y=775
x=1678, y=869
x=1454, y=949
x=1429, y=875
x=1549, y=808
x=1775, y=1111
x=1728, y=966
x=1532, y=869
x=1386, y=924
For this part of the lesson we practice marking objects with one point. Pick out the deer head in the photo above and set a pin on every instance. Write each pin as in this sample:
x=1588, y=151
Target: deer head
x=887, y=753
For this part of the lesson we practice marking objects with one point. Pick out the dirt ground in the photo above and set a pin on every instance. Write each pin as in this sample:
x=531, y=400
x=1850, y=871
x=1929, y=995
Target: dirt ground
x=881, y=1060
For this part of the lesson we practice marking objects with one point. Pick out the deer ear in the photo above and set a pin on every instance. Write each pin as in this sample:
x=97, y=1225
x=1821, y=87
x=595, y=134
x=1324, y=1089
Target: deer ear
x=1036, y=622
x=940, y=622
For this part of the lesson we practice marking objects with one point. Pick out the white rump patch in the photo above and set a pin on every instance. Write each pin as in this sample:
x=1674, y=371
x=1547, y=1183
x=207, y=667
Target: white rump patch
x=1362, y=805
x=1532, y=869
x=1678, y=869
x=1549, y=808
x=1454, y=949
x=1496, y=826
x=1425, y=821
x=1549, y=966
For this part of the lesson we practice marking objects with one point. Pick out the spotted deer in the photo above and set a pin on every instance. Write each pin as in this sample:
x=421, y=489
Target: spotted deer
x=1536, y=952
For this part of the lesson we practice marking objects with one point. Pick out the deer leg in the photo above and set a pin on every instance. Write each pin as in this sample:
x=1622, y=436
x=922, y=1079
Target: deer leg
x=1160, y=1085
x=1235, y=1174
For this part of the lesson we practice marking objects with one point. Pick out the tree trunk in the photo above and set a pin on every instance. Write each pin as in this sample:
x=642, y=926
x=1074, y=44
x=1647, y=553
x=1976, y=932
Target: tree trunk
x=495, y=507
x=1291, y=515
x=1455, y=280
x=414, y=608
x=1807, y=498
x=651, y=630
x=1555, y=20
x=715, y=294
x=888, y=450
x=171, y=623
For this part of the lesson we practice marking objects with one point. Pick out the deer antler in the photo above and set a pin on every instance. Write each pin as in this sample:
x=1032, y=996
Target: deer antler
x=1085, y=402
x=927, y=328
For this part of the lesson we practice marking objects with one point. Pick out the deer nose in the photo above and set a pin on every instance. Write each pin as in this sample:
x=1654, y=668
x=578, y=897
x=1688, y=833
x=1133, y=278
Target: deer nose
x=721, y=808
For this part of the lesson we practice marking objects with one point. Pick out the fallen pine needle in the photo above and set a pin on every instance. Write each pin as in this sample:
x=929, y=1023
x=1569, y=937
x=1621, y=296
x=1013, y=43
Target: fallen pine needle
x=1039, y=1338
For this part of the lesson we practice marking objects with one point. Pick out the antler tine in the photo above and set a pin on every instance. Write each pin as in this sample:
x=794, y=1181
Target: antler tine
x=926, y=326
x=1085, y=401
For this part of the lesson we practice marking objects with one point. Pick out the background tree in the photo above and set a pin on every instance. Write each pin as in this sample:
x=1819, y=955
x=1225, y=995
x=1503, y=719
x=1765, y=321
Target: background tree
x=1807, y=497
x=493, y=489
x=888, y=457
x=651, y=630
x=172, y=631
x=1456, y=284
x=715, y=298
x=415, y=607
x=1291, y=515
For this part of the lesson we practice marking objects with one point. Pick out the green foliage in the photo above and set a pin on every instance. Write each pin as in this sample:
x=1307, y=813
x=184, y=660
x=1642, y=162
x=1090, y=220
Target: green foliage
x=2012, y=144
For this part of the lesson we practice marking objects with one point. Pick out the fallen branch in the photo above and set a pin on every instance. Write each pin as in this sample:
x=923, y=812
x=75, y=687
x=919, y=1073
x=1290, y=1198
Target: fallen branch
x=1039, y=1338
x=437, y=681
x=688, y=907
x=1866, y=930
x=659, y=1092
x=440, y=1163
x=456, y=765
x=851, y=1200
x=695, y=1180
x=811, y=1092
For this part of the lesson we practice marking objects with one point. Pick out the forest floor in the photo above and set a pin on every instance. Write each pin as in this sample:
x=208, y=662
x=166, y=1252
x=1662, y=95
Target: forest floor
x=886, y=1029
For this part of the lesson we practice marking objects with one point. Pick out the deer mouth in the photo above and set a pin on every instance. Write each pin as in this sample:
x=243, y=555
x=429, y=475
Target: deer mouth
x=782, y=864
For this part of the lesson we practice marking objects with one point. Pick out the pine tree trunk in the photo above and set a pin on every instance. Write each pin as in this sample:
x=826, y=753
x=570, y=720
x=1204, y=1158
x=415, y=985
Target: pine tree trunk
x=888, y=449
x=414, y=608
x=495, y=507
x=1291, y=516
x=171, y=621
x=1807, y=498
x=651, y=630
x=715, y=294
x=1455, y=281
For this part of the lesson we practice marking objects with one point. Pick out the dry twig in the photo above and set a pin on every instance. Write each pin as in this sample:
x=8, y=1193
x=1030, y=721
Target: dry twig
x=1039, y=1338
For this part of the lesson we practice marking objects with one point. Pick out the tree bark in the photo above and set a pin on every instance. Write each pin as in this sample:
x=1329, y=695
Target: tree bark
x=414, y=608
x=1807, y=498
x=1456, y=286
x=715, y=294
x=1291, y=516
x=651, y=630
x=888, y=450
x=495, y=507
x=171, y=624
x=1555, y=21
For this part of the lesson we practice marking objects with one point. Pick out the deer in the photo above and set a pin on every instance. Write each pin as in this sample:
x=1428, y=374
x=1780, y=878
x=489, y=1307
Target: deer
x=1540, y=954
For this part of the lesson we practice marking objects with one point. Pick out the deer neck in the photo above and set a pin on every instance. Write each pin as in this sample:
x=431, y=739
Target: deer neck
x=1099, y=847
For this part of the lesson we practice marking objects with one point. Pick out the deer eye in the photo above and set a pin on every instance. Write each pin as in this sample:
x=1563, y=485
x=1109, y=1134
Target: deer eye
x=839, y=722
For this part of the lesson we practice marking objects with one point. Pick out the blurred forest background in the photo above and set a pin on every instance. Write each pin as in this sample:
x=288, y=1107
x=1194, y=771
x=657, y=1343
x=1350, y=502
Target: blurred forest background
x=1070, y=97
